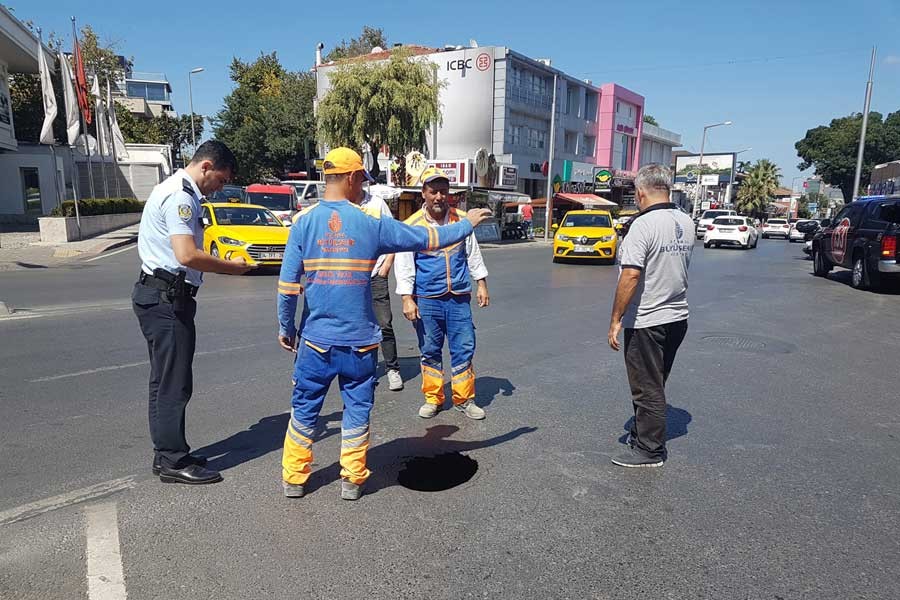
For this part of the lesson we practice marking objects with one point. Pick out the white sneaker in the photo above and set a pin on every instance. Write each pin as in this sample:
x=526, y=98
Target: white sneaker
x=470, y=409
x=428, y=410
x=395, y=382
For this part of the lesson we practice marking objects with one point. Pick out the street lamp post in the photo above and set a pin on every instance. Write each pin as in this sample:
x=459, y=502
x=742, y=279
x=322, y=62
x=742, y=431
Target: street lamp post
x=730, y=186
x=191, y=100
x=700, y=189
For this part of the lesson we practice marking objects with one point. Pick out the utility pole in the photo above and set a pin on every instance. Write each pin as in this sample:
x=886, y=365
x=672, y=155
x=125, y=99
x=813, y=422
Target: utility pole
x=548, y=218
x=865, y=123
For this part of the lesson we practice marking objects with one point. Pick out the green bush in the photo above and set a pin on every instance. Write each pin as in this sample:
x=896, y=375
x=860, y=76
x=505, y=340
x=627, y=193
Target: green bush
x=98, y=206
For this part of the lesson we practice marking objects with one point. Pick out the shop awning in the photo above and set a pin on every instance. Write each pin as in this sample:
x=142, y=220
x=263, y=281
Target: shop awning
x=586, y=199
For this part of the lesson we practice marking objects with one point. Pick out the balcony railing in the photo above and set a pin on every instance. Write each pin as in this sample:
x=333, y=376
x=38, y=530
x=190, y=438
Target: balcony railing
x=147, y=76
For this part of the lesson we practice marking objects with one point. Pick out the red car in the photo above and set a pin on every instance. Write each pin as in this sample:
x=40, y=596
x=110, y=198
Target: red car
x=280, y=199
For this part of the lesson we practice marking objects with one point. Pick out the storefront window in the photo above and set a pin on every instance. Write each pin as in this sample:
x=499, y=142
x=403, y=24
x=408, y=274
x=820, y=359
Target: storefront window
x=31, y=189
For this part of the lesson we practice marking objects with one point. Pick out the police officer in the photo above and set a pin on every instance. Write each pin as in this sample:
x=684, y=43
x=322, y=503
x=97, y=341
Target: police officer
x=170, y=244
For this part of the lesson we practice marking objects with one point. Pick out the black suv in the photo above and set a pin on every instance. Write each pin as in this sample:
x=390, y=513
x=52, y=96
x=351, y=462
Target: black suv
x=863, y=238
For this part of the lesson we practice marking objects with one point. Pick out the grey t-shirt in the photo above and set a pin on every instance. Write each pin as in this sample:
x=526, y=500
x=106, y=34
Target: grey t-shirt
x=659, y=243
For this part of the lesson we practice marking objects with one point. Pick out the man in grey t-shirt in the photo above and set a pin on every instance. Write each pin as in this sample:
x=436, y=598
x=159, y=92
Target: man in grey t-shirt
x=651, y=303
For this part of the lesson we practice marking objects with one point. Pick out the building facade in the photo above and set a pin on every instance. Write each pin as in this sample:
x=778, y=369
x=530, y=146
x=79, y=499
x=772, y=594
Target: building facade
x=500, y=100
x=146, y=95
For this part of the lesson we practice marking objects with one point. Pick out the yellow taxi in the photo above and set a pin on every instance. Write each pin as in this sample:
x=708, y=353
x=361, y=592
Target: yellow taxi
x=585, y=234
x=243, y=230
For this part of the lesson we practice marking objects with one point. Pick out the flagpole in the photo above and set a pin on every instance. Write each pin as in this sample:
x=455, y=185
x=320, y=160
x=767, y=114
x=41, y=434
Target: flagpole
x=98, y=130
x=53, y=145
x=87, y=147
x=112, y=141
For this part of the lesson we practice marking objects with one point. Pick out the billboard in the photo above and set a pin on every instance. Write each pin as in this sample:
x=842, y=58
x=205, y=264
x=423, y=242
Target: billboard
x=687, y=168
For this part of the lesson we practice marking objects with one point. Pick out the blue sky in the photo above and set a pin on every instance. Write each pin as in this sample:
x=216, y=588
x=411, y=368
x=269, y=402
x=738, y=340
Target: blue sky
x=774, y=68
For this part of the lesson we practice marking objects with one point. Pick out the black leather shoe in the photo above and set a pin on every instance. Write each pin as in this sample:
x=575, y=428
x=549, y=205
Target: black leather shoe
x=191, y=475
x=194, y=459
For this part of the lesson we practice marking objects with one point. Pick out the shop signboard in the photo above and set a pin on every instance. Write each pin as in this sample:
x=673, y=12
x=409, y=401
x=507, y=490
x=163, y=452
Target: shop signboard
x=507, y=176
x=459, y=171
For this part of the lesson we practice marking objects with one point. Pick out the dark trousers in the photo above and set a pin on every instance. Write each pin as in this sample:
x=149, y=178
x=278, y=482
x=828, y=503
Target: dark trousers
x=381, y=302
x=171, y=337
x=649, y=356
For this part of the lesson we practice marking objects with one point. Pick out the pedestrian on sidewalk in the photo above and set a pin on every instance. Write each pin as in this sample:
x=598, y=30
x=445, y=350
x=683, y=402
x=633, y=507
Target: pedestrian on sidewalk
x=170, y=245
x=335, y=245
x=436, y=289
x=381, y=296
x=651, y=304
x=527, y=220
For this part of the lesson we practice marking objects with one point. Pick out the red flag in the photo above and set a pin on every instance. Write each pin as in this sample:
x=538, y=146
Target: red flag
x=81, y=86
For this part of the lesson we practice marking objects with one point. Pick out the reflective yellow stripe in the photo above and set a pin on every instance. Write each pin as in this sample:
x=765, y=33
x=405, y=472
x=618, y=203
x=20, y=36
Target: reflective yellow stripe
x=290, y=292
x=289, y=284
x=367, y=348
x=352, y=261
x=316, y=348
x=339, y=268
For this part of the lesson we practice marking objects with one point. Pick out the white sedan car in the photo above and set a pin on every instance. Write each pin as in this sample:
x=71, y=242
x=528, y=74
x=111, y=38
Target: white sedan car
x=731, y=231
x=776, y=227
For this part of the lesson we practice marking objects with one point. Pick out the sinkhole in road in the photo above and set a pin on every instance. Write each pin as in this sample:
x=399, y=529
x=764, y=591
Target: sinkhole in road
x=437, y=473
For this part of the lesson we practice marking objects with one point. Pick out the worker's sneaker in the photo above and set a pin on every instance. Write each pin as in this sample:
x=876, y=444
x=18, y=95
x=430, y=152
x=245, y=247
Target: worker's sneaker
x=292, y=490
x=350, y=491
x=632, y=458
x=428, y=410
x=395, y=382
x=470, y=409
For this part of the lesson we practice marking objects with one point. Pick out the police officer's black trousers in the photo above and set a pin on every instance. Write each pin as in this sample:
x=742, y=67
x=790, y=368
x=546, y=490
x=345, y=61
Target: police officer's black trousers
x=171, y=337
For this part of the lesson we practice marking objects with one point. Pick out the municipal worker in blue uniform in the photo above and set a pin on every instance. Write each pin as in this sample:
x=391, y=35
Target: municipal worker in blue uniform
x=436, y=290
x=335, y=244
x=170, y=245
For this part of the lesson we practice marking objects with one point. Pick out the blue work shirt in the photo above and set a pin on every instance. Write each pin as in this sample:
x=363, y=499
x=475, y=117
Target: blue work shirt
x=335, y=245
x=172, y=209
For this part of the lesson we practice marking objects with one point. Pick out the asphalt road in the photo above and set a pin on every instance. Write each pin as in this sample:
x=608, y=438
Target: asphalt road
x=782, y=480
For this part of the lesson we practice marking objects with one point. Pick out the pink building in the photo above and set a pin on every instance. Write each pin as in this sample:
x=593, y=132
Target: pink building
x=619, y=128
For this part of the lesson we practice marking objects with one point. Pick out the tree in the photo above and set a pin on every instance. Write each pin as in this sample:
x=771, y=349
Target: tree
x=820, y=200
x=651, y=120
x=101, y=59
x=368, y=39
x=744, y=165
x=159, y=130
x=832, y=150
x=758, y=189
x=388, y=103
x=267, y=120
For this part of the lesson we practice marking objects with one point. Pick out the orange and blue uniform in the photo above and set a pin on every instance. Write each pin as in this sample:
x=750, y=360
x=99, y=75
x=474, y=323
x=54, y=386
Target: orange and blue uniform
x=440, y=280
x=335, y=244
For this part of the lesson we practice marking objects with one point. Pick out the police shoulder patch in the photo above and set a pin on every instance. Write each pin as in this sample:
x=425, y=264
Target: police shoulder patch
x=185, y=212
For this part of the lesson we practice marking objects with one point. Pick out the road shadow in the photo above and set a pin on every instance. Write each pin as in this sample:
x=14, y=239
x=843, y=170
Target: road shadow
x=677, y=420
x=487, y=388
x=25, y=265
x=386, y=460
x=888, y=287
x=261, y=438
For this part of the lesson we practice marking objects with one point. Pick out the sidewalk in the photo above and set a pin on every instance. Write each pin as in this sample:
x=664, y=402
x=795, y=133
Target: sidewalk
x=24, y=250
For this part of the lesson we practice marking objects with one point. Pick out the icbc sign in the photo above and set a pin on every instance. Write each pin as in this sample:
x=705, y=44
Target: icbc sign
x=482, y=63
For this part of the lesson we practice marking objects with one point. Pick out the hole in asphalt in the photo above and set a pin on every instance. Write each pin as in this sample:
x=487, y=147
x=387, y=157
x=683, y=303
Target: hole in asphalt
x=437, y=473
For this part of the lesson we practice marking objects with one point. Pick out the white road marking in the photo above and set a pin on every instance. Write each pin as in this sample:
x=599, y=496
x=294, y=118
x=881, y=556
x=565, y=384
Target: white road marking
x=105, y=578
x=26, y=511
x=113, y=253
x=134, y=364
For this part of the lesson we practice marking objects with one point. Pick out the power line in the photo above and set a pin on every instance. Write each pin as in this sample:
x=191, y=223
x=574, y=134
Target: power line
x=730, y=62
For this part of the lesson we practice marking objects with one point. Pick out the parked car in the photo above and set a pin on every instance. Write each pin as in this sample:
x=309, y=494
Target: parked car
x=585, y=234
x=796, y=234
x=707, y=218
x=776, y=228
x=863, y=238
x=280, y=199
x=808, y=228
x=308, y=192
x=731, y=231
x=248, y=231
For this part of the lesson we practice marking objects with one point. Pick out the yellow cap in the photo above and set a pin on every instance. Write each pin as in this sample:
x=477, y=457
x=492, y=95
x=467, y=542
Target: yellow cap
x=432, y=173
x=343, y=160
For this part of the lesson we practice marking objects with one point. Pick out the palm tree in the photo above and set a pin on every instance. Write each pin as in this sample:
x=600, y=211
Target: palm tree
x=758, y=188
